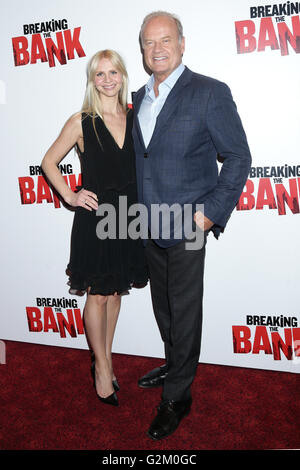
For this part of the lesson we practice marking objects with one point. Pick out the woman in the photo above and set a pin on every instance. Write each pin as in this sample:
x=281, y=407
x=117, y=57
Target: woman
x=104, y=268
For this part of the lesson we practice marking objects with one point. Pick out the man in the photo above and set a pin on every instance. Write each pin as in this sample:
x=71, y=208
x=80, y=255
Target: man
x=183, y=121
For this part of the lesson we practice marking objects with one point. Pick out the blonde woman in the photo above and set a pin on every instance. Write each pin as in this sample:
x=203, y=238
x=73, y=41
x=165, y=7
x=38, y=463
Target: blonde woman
x=104, y=268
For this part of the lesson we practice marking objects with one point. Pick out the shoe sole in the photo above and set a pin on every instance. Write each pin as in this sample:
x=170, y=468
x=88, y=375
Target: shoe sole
x=170, y=433
x=150, y=386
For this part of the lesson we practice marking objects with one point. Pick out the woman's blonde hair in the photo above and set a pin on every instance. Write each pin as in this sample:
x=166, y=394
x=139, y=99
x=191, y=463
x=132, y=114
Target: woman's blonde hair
x=92, y=102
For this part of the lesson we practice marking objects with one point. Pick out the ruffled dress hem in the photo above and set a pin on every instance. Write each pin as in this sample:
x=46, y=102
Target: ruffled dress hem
x=106, y=284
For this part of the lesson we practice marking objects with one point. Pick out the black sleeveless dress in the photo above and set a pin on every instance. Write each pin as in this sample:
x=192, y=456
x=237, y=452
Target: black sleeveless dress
x=113, y=264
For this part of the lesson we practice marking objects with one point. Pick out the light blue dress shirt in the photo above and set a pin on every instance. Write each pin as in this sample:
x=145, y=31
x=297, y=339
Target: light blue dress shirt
x=152, y=105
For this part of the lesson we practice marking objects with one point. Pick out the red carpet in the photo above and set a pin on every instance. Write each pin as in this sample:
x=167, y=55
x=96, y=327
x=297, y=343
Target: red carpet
x=47, y=402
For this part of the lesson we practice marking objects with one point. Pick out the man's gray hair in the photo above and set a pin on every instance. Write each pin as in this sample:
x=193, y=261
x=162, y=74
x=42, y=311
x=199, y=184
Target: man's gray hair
x=156, y=14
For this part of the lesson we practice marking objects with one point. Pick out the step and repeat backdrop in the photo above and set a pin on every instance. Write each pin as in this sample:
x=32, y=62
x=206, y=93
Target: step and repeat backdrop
x=251, y=296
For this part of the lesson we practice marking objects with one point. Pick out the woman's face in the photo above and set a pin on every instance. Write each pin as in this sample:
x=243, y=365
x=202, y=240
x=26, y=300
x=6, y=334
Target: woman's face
x=108, y=79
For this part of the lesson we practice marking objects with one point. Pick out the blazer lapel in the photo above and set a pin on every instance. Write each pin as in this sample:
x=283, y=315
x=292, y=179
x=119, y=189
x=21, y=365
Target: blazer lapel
x=170, y=105
x=137, y=99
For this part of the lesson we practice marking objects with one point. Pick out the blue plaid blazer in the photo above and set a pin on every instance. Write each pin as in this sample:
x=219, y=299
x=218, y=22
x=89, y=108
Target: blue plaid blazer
x=198, y=123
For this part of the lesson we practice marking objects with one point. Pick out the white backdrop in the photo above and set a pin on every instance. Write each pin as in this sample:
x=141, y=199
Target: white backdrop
x=251, y=271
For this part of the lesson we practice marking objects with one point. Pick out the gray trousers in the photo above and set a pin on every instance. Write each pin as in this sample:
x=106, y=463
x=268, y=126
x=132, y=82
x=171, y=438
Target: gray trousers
x=176, y=283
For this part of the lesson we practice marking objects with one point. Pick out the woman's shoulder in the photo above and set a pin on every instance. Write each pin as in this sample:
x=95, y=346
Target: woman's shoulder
x=73, y=124
x=80, y=120
x=79, y=116
x=75, y=119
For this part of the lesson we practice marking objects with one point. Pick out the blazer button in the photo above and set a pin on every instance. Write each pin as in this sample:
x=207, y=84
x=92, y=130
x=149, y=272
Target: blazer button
x=145, y=155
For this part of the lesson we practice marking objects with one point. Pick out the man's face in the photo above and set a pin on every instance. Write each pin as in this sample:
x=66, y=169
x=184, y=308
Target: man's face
x=162, y=49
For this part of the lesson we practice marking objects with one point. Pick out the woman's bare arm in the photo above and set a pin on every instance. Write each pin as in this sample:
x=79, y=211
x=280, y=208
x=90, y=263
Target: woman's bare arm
x=69, y=136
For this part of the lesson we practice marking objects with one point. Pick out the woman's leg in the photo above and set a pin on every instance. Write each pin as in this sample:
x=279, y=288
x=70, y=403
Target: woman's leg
x=95, y=322
x=113, y=309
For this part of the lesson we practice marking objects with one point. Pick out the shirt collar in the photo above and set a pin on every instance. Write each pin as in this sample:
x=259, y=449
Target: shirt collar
x=169, y=81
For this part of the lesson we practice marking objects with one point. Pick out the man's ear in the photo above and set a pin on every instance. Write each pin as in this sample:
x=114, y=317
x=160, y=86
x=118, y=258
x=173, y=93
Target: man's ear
x=182, y=45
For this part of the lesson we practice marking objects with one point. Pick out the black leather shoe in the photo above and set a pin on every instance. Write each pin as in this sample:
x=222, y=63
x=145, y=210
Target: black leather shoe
x=154, y=378
x=111, y=399
x=167, y=420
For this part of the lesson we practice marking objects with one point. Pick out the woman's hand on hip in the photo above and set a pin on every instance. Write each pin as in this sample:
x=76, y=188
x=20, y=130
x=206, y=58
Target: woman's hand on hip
x=84, y=198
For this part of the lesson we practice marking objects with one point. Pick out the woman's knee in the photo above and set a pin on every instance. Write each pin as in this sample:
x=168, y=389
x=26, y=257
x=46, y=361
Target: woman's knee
x=98, y=299
x=114, y=298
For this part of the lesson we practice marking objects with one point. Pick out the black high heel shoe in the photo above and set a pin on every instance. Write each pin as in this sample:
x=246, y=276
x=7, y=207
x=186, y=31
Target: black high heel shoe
x=116, y=385
x=111, y=399
x=114, y=382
